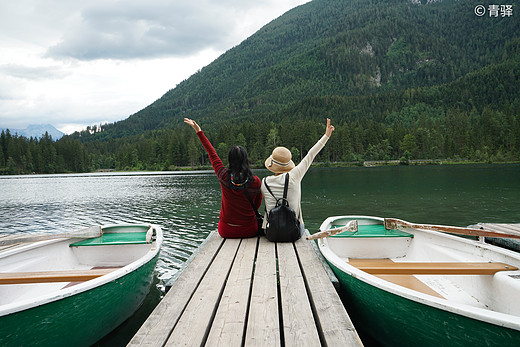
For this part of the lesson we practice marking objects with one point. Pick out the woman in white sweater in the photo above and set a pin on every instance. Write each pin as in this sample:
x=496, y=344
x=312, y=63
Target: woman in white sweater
x=279, y=162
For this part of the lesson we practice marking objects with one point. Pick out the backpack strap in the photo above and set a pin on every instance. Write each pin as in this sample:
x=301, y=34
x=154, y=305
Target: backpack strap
x=269, y=189
x=251, y=202
x=285, y=188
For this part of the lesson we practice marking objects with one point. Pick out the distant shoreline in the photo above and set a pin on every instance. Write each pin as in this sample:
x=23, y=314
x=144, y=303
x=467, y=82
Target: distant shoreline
x=366, y=164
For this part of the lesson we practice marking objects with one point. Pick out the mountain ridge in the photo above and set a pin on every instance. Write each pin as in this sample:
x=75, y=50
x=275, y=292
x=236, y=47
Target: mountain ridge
x=38, y=131
x=330, y=47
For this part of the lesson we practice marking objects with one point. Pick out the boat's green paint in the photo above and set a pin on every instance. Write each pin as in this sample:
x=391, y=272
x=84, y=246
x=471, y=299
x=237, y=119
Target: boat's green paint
x=82, y=319
x=396, y=321
x=113, y=239
x=372, y=230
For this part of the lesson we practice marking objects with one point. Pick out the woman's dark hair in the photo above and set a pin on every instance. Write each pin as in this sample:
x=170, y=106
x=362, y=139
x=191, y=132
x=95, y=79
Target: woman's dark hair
x=240, y=173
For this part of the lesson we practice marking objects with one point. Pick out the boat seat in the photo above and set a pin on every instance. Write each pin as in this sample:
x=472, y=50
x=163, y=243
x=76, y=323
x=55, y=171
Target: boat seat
x=389, y=267
x=52, y=276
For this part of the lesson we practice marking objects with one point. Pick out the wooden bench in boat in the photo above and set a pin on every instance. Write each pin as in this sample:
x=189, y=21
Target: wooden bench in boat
x=52, y=276
x=389, y=267
x=403, y=274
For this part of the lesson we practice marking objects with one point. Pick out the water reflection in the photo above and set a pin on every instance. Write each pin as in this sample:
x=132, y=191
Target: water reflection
x=457, y=195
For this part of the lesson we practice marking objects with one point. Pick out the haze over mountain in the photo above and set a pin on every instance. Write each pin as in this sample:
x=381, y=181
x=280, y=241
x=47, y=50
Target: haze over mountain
x=38, y=131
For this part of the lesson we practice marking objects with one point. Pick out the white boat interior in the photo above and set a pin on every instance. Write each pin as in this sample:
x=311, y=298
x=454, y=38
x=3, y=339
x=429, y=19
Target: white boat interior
x=46, y=267
x=447, y=267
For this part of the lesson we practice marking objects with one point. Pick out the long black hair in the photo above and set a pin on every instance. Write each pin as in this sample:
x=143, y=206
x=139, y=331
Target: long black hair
x=239, y=172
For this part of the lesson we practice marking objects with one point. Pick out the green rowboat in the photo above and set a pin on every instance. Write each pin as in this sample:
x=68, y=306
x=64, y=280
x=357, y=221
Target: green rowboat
x=417, y=287
x=74, y=291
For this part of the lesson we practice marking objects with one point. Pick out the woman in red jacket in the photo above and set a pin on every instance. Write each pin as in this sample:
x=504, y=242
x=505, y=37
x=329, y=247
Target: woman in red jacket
x=237, y=217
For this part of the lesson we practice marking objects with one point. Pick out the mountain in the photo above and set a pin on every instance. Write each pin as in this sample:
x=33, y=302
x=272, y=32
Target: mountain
x=358, y=51
x=401, y=80
x=38, y=131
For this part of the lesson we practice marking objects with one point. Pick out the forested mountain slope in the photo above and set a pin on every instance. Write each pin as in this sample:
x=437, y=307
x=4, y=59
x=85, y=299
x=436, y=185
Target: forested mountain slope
x=334, y=47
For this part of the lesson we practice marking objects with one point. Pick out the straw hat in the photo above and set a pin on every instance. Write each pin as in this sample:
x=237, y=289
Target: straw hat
x=279, y=161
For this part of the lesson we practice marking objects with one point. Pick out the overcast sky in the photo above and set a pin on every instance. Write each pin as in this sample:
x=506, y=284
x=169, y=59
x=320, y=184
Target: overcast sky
x=76, y=63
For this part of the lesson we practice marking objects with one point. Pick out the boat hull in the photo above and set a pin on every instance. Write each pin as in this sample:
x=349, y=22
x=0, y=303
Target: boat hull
x=396, y=321
x=81, y=319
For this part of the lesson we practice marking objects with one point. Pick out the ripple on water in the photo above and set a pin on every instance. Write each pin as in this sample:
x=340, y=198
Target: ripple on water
x=185, y=206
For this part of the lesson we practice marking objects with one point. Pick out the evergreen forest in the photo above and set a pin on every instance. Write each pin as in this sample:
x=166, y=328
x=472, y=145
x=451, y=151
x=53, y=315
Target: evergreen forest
x=400, y=79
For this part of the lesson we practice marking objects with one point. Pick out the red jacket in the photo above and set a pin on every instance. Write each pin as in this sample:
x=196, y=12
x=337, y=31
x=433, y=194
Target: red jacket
x=235, y=209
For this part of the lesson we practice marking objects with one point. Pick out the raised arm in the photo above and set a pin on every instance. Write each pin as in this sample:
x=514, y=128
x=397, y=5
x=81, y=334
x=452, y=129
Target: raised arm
x=217, y=164
x=300, y=170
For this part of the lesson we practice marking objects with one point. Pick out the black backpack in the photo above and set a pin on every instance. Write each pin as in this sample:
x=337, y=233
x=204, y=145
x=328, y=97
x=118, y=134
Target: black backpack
x=282, y=223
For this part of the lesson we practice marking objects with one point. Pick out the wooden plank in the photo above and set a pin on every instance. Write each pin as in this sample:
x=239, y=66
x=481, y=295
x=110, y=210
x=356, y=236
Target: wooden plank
x=52, y=276
x=392, y=223
x=157, y=328
x=325, y=266
x=228, y=325
x=331, y=316
x=196, y=319
x=263, y=325
x=514, y=227
x=90, y=232
x=5, y=247
x=502, y=228
x=376, y=266
x=299, y=328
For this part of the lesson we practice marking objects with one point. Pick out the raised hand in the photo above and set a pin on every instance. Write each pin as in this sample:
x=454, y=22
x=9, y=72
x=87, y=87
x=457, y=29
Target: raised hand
x=329, y=129
x=193, y=124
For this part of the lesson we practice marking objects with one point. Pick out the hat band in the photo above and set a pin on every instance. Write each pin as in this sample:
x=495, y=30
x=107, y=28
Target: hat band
x=278, y=163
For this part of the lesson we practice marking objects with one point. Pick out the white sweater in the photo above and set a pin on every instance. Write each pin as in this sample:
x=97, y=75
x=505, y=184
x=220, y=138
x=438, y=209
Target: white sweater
x=294, y=193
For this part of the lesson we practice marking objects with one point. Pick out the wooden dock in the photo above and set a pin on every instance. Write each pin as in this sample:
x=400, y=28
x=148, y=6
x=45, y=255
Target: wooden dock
x=250, y=292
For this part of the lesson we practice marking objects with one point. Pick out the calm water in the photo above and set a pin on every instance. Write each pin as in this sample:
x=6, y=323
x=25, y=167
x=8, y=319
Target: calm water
x=187, y=205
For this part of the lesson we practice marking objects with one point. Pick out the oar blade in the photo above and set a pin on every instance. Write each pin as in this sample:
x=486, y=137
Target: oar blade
x=351, y=226
x=90, y=232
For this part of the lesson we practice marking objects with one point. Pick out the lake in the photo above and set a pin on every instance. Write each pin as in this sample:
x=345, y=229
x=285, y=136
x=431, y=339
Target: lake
x=186, y=205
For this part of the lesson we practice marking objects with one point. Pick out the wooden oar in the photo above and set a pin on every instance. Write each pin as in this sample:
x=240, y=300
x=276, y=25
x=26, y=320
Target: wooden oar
x=351, y=226
x=392, y=223
x=86, y=233
x=52, y=276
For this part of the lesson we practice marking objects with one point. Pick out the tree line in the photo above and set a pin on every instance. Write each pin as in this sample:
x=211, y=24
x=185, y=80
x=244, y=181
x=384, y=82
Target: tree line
x=419, y=131
x=21, y=155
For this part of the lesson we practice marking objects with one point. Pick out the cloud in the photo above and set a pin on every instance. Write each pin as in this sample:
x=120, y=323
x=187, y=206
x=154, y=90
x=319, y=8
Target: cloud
x=78, y=63
x=155, y=28
x=92, y=92
x=32, y=72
